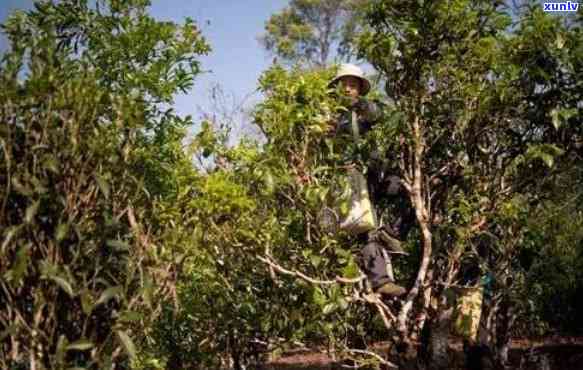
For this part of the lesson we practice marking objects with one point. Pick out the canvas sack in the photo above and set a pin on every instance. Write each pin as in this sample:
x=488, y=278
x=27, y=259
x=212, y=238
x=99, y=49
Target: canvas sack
x=468, y=312
x=360, y=217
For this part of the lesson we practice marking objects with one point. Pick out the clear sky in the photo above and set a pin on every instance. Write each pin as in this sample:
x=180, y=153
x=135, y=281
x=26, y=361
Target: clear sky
x=230, y=26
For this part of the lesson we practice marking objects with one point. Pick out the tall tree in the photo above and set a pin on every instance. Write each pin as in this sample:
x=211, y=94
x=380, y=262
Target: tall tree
x=86, y=143
x=315, y=32
x=486, y=117
x=488, y=109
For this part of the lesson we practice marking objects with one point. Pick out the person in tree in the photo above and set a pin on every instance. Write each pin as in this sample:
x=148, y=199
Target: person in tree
x=361, y=115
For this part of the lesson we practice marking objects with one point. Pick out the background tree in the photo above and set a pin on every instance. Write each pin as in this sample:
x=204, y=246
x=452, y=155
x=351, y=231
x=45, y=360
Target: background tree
x=552, y=260
x=314, y=32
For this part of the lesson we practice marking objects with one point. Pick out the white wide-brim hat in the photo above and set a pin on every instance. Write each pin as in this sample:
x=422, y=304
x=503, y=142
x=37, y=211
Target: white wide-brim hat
x=352, y=70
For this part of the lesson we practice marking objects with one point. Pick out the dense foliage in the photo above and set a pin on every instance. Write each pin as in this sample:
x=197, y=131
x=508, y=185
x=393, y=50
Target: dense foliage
x=117, y=250
x=86, y=145
x=493, y=118
x=314, y=32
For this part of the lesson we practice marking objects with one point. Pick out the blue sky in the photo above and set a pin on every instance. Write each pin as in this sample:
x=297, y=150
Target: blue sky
x=230, y=26
x=237, y=59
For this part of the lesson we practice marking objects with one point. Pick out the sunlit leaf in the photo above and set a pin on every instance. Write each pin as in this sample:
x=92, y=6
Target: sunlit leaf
x=103, y=185
x=86, y=302
x=80, y=345
x=31, y=211
x=118, y=245
x=62, y=231
x=108, y=294
x=64, y=284
x=127, y=342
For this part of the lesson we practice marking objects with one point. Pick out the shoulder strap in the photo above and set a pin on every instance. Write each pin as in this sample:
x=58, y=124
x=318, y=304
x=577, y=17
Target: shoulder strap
x=355, y=130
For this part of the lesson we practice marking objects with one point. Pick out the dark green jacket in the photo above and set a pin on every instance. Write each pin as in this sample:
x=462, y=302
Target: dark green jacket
x=368, y=114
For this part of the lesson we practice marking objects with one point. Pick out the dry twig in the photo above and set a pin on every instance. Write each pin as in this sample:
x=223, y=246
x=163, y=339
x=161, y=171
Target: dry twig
x=375, y=355
x=337, y=279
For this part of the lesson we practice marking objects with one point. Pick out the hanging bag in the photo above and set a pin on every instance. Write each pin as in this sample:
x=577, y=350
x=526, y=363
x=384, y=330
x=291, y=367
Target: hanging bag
x=360, y=217
x=468, y=312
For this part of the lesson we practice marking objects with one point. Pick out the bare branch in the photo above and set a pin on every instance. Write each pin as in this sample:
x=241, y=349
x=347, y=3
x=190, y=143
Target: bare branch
x=301, y=275
x=375, y=355
x=422, y=214
x=385, y=312
x=441, y=172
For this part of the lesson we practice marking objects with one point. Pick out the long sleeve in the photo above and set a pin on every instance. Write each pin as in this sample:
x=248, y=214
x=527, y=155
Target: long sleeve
x=369, y=112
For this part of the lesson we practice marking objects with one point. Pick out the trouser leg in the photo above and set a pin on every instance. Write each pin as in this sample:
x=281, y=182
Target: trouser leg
x=405, y=219
x=374, y=264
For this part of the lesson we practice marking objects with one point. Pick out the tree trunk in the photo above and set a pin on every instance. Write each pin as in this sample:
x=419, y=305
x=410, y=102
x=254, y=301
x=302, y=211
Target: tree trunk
x=408, y=354
x=414, y=184
x=495, y=333
x=505, y=323
x=439, y=339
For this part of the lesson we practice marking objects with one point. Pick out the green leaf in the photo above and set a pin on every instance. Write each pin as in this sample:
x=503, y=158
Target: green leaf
x=548, y=159
x=351, y=270
x=10, y=234
x=560, y=41
x=329, y=308
x=20, y=265
x=315, y=260
x=103, y=185
x=127, y=343
x=61, y=231
x=130, y=316
x=118, y=245
x=568, y=113
x=80, y=345
x=61, y=350
x=51, y=164
x=108, y=294
x=342, y=303
x=86, y=302
x=545, y=152
x=319, y=297
x=12, y=329
x=555, y=119
x=20, y=188
x=31, y=211
x=561, y=116
x=316, y=129
x=148, y=291
x=344, y=207
x=64, y=284
x=269, y=183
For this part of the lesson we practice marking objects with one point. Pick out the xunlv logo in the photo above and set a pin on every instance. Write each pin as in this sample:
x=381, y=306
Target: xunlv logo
x=561, y=7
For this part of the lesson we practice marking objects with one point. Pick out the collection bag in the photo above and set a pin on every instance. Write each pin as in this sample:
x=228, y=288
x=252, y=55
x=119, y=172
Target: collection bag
x=468, y=312
x=360, y=217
